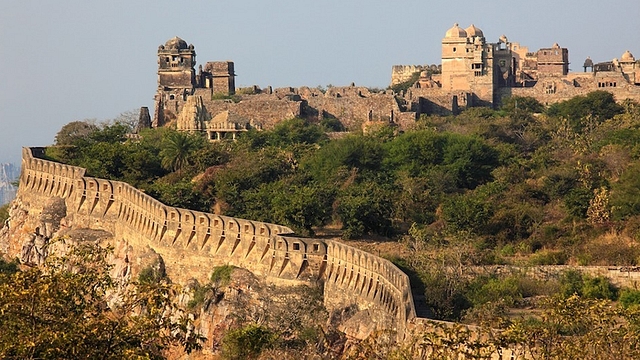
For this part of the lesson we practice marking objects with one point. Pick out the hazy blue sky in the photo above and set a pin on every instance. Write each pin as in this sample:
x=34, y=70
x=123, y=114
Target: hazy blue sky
x=70, y=60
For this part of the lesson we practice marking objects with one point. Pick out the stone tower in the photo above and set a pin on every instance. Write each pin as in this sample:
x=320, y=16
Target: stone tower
x=553, y=61
x=219, y=75
x=469, y=71
x=176, y=79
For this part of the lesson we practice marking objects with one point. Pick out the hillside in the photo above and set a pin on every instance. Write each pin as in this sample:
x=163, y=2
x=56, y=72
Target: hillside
x=448, y=200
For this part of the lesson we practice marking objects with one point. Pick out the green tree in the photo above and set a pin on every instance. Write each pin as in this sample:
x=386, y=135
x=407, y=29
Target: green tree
x=246, y=342
x=599, y=105
x=467, y=213
x=177, y=147
x=526, y=104
x=365, y=208
x=73, y=131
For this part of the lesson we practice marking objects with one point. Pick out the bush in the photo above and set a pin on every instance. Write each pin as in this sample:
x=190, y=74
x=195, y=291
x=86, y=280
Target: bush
x=490, y=290
x=8, y=267
x=599, y=288
x=222, y=274
x=202, y=295
x=4, y=214
x=629, y=297
x=152, y=274
x=246, y=342
x=331, y=124
x=548, y=257
x=573, y=282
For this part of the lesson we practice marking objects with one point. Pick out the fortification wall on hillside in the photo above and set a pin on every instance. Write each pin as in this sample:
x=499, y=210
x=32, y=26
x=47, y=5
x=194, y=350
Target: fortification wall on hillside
x=357, y=277
x=191, y=243
x=553, y=89
x=179, y=235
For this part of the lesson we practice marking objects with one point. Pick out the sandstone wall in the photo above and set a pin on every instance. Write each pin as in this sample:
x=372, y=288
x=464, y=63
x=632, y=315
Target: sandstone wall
x=192, y=243
x=357, y=277
x=553, y=89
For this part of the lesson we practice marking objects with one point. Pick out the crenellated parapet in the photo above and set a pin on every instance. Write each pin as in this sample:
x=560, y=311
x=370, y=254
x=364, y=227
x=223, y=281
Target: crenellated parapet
x=356, y=276
x=192, y=242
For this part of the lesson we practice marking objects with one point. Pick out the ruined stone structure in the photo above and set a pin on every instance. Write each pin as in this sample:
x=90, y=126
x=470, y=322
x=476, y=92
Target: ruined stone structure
x=207, y=101
x=177, y=79
x=473, y=72
x=478, y=73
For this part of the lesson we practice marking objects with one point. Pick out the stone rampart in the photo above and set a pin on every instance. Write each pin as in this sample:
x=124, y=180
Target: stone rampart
x=191, y=243
x=552, y=89
x=357, y=277
x=177, y=234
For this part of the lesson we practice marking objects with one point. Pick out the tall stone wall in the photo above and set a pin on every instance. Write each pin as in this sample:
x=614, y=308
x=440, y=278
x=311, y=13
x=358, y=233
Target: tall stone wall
x=191, y=243
x=553, y=89
x=402, y=73
x=357, y=277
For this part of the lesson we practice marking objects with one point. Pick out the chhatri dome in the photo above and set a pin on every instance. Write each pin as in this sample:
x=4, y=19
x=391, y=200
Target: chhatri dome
x=473, y=31
x=176, y=43
x=456, y=32
x=627, y=56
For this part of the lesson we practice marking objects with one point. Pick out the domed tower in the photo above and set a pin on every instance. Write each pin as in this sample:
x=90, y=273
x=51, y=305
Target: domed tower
x=454, y=56
x=629, y=67
x=176, y=62
x=176, y=78
x=473, y=32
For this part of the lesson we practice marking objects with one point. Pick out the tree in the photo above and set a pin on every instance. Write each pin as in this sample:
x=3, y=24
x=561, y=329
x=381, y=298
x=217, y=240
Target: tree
x=526, y=104
x=61, y=310
x=129, y=118
x=599, y=105
x=246, y=342
x=365, y=208
x=176, y=149
x=576, y=328
x=74, y=131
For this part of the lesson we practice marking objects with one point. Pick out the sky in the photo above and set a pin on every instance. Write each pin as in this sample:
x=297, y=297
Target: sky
x=68, y=60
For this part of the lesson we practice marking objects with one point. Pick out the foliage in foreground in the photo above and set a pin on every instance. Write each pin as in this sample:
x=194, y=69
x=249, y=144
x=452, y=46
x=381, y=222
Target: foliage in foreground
x=567, y=328
x=71, y=308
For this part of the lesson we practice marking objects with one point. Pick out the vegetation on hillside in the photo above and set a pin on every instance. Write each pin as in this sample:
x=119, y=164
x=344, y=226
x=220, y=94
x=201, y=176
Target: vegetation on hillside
x=524, y=185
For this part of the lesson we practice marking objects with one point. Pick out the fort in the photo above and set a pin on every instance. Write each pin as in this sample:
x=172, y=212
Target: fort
x=473, y=72
x=192, y=243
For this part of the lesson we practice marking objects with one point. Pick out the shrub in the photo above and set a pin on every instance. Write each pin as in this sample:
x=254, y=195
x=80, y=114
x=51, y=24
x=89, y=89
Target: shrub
x=548, y=257
x=573, y=282
x=332, y=124
x=246, y=342
x=629, y=297
x=599, y=288
x=222, y=274
x=493, y=289
x=4, y=214
x=152, y=274
x=8, y=267
x=202, y=295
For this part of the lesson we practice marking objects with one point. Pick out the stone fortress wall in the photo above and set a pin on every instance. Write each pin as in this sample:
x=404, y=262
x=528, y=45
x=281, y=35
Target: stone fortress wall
x=192, y=243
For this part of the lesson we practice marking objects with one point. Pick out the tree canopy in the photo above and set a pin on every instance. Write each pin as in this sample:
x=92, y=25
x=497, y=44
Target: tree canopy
x=63, y=310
